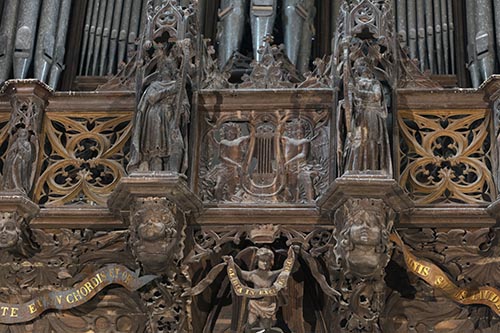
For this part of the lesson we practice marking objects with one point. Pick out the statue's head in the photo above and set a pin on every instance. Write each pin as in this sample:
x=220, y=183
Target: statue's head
x=295, y=129
x=154, y=234
x=363, y=237
x=230, y=131
x=265, y=259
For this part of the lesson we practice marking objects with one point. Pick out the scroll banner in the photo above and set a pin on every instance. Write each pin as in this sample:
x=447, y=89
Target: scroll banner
x=67, y=299
x=281, y=281
x=435, y=277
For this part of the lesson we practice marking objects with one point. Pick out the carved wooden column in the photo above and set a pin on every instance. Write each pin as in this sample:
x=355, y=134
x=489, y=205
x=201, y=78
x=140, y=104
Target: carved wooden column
x=158, y=206
x=363, y=209
x=28, y=99
x=492, y=90
x=364, y=200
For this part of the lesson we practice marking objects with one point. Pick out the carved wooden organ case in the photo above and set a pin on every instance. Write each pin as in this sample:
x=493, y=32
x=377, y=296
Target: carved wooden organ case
x=186, y=195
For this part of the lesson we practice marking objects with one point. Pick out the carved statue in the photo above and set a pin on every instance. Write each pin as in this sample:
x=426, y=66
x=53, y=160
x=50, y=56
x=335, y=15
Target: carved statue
x=298, y=16
x=262, y=310
x=263, y=298
x=159, y=140
x=20, y=161
x=367, y=142
x=154, y=236
x=232, y=148
x=296, y=150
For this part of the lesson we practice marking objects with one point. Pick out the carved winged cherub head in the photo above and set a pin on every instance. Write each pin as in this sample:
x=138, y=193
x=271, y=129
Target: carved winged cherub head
x=15, y=235
x=363, y=237
x=154, y=234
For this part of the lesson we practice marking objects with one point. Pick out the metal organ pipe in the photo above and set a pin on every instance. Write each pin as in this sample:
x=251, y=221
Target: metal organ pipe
x=25, y=37
x=7, y=29
x=60, y=48
x=47, y=29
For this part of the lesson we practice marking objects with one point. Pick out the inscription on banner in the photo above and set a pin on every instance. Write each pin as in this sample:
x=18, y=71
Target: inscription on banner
x=67, y=299
x=281, y=281
x=435, y=277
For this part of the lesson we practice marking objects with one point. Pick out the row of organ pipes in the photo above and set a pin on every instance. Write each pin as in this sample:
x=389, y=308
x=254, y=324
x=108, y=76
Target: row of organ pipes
x=426, y=31
x=33, y=36
x=33, y=39
x=110, y=34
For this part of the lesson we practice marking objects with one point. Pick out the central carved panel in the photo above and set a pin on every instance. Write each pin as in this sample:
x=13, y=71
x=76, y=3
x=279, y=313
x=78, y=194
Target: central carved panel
x=264, y=156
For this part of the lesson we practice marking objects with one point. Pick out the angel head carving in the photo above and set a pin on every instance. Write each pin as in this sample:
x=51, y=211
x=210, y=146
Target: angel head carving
x=15, y=235
x=154, y=234
x=363, y=237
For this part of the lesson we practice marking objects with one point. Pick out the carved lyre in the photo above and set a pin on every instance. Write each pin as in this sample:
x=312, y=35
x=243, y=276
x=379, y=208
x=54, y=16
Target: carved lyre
x=264, y=164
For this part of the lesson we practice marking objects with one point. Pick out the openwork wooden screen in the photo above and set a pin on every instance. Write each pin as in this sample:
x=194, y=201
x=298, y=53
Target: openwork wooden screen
x=445, y=156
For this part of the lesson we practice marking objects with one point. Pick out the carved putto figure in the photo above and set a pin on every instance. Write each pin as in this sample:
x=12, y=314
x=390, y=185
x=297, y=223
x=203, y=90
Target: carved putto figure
x=266, y=283
x=232, y=148
x=159, y=140
x=296, y=151
x=20, y=161
x=367, y=142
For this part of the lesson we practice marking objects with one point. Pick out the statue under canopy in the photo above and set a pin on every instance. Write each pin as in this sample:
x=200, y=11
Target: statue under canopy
x=160, y=130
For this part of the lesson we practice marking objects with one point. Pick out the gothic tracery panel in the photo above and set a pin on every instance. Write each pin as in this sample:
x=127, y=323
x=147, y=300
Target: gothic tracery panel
x=83, y=158
x=445, y=156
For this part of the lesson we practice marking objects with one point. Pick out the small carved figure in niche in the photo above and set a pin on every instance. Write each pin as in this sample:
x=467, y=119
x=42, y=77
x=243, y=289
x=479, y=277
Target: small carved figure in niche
x=20, y=161
x=154, y=236
x=232, y=148
x=367, y=142
x=296, y=151
x=364, y=237
x=262, y=310
x=159, y=140
x=15, y=235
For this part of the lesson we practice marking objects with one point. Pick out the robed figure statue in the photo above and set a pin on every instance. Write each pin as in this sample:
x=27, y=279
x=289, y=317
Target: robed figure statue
x=159, y=140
